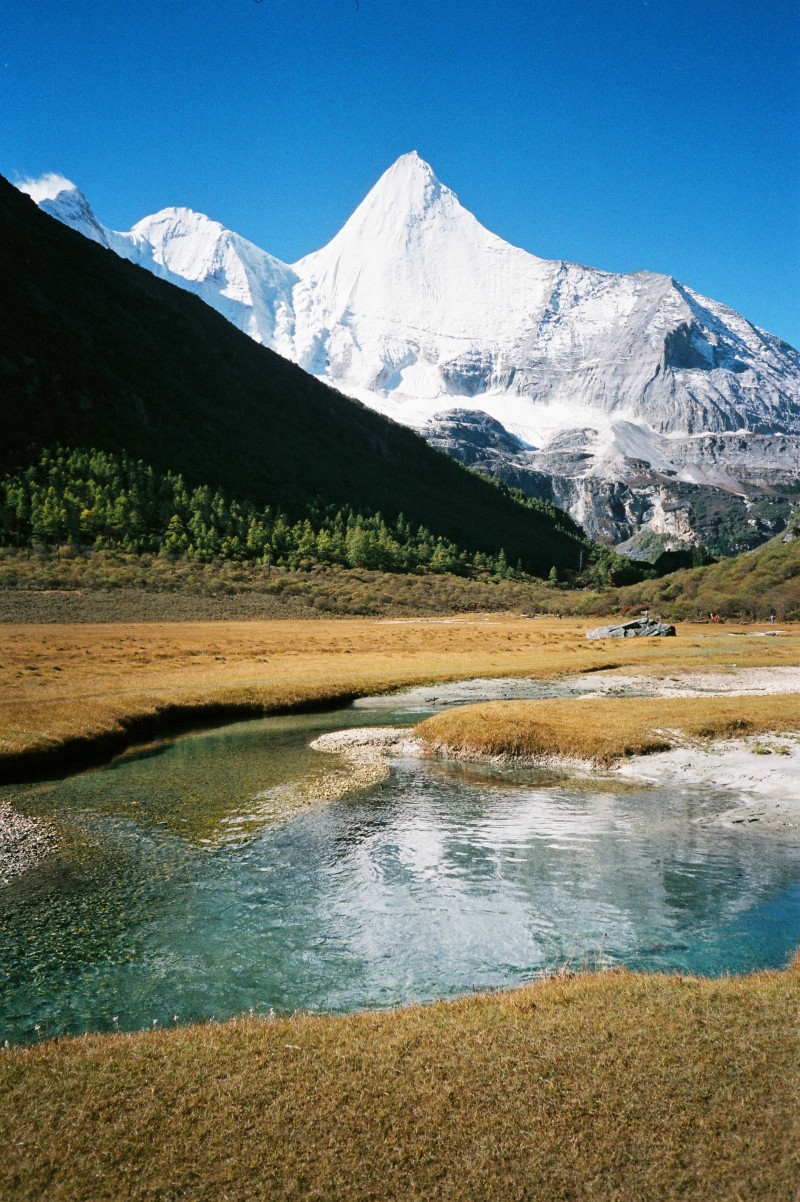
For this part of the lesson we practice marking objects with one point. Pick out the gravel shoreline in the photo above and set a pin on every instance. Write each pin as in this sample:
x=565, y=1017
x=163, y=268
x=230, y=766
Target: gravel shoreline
x=738, y=682
x=24, y=842
x=761, y=774
x=371, y=744
x=765, y=792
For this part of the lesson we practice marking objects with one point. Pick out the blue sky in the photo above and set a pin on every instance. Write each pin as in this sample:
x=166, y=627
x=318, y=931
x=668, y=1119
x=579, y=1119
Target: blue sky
x=623, y=134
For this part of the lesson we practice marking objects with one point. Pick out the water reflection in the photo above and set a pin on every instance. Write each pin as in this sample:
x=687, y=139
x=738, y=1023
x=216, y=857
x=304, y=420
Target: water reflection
x=442, y=879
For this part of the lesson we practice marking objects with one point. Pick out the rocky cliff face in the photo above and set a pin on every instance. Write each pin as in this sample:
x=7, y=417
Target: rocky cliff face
x=728, y=492
x=616, y=388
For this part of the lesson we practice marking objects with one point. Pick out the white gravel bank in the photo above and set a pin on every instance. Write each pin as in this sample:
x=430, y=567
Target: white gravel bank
x=23, y=842
x=371, y=744
x=738, y=682
x=760, y=775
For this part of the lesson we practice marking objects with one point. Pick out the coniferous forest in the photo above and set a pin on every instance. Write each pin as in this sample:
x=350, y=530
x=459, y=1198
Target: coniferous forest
x=107, y=501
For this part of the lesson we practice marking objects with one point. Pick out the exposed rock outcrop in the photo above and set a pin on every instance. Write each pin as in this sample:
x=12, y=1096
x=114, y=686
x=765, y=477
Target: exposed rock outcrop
x=729, y=492
x=638, y=628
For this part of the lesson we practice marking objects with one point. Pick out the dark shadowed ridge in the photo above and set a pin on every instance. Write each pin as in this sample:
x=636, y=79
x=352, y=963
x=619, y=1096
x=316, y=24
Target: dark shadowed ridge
x=95, y=351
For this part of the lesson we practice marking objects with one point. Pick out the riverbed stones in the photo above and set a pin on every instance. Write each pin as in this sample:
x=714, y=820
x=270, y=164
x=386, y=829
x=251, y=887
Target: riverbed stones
x=638, y=628
x=24, y=842
x=370, y=744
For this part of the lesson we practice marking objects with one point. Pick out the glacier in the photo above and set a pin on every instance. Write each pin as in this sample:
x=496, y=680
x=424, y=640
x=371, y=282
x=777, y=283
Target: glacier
x=606, y=384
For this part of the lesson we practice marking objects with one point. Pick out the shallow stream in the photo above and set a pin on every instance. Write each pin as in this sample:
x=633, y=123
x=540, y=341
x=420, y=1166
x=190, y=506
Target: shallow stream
x=172, y=898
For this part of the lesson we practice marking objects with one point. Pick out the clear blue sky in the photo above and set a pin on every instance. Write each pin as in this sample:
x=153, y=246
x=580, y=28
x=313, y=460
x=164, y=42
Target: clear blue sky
x=624, y=134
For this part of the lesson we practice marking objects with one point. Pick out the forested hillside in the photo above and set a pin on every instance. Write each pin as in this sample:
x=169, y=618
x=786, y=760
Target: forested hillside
x=108, y=501
x=97, y=353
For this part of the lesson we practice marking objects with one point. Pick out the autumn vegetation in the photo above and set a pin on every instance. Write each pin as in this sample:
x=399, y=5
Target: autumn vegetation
x=591, y=1086
x=76, y=693
x=66, y=582
x=98, y=687
x=602, y=731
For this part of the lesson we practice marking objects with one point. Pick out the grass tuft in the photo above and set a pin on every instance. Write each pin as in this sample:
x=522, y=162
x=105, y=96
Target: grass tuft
x=604, y=730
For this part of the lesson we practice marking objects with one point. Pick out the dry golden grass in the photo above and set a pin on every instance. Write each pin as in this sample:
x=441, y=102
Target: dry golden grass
x=605, y=729
x=614, y=1086
x=62, y=685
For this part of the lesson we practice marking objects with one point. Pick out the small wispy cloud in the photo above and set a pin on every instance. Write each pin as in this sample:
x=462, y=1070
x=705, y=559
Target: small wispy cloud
x=46, y=187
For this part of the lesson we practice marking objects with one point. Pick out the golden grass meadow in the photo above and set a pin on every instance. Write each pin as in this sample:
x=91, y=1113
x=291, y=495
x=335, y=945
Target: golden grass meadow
x=605, y=730
x=587, y=1085
x=593, y=1086
x=73, y=686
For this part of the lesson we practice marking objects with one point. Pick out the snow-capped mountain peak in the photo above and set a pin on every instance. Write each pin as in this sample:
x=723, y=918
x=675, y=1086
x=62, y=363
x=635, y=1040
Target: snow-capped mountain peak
x=183, y=241
x=59, y=197
x=414, y=268
x=417, y=309
x=247, y=285
x=409, y=186
x=406, y=194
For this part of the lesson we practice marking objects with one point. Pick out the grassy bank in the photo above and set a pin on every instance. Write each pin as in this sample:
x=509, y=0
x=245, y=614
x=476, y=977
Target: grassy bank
x=88, y=690
x=611, y=1086
x=604, y=730
x=114, y=586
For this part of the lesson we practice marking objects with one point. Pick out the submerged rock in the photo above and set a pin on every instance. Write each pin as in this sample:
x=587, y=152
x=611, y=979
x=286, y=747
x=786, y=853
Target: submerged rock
x=638, y=628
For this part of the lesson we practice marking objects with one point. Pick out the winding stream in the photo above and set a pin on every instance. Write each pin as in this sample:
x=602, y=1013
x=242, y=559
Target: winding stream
x=172, y=900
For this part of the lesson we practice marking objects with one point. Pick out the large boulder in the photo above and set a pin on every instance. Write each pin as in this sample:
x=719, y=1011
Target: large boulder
x=638, y=628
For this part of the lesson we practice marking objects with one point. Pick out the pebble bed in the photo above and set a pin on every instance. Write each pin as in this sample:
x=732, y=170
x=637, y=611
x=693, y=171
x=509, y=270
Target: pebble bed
x=23, y=842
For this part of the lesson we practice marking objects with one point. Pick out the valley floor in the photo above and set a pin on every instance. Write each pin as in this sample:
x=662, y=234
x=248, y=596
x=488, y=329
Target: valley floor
x=75, y=694
x=590, y=1086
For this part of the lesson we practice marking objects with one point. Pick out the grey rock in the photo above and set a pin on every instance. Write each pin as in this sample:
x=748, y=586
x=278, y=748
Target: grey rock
x=466, y=433
x=638, y=628
x=730, y=492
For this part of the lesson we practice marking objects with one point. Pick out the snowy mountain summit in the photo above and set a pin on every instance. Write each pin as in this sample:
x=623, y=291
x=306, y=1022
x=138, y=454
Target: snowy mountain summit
x=422, y=303
x=615, y=389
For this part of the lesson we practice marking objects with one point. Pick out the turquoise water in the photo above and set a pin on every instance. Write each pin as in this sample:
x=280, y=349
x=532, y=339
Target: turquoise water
x=170, y=901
